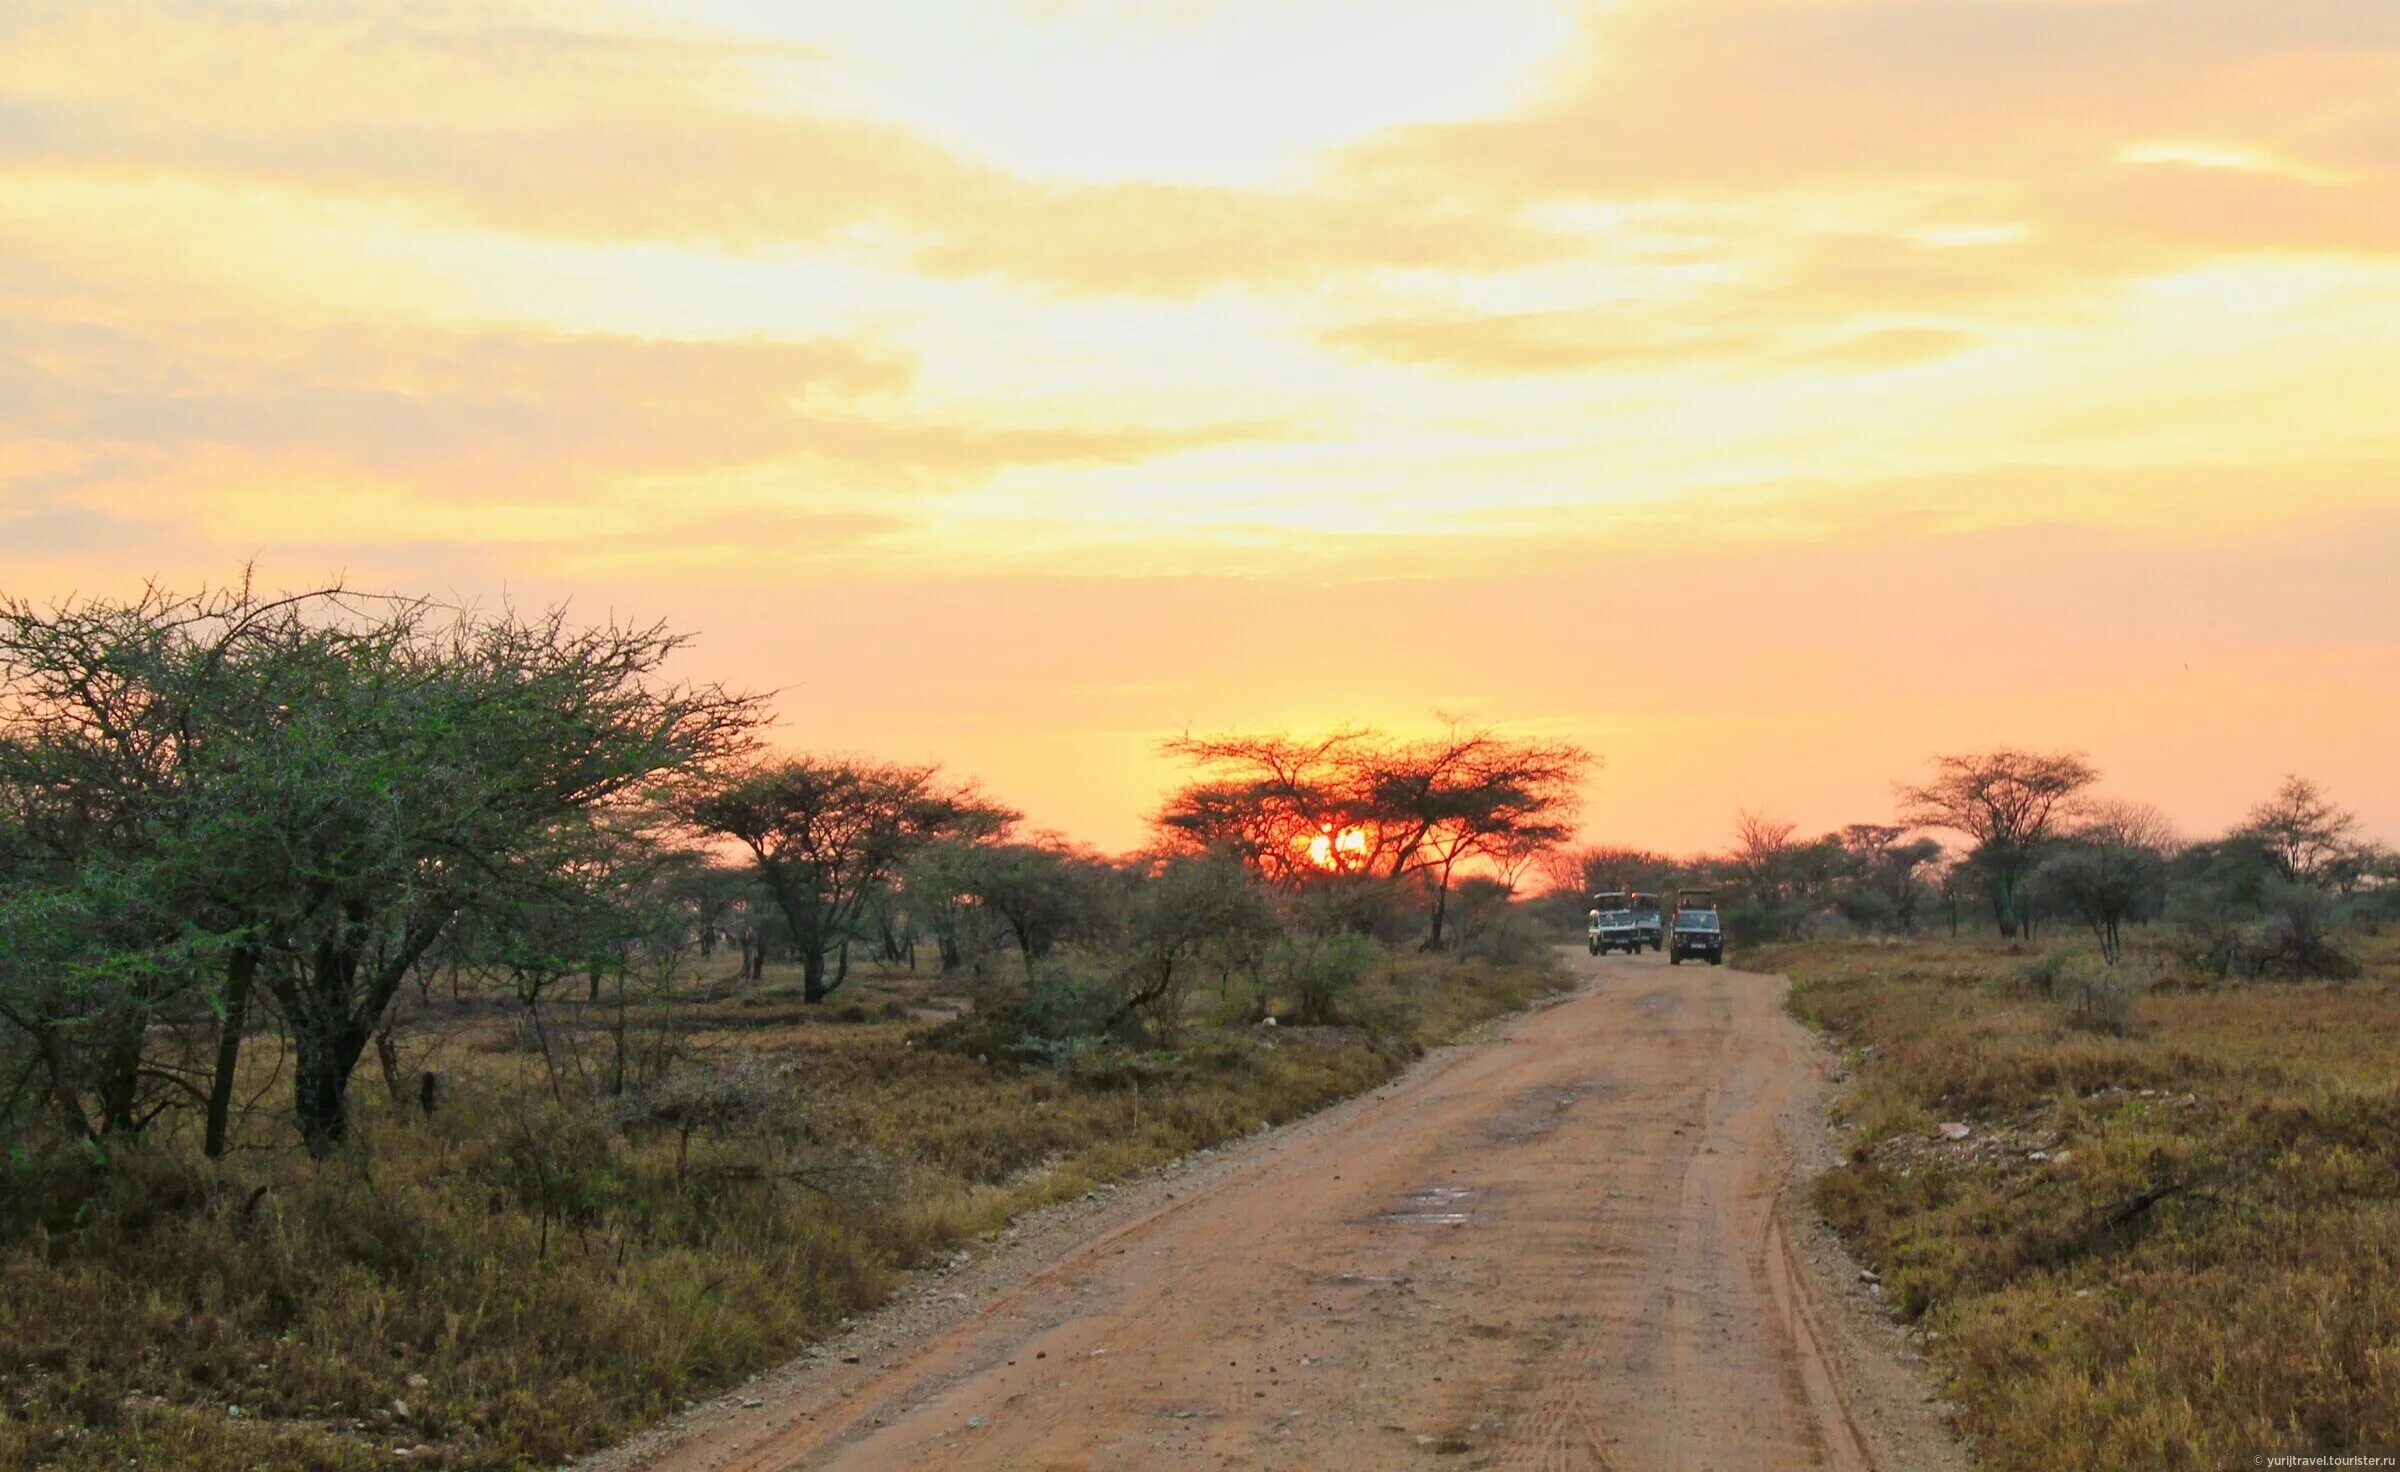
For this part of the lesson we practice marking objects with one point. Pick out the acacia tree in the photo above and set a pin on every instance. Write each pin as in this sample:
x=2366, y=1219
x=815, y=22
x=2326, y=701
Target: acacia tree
x=826, y=833
x=1886, y=879
x=1268, y=799
x=109, y=712
x=2011, y=803
x=319, y=786
x=1360, y=802
x=2112, y=868
x=2129, y=824
x=2106, y=884
x=1469, y=794
x=2304, y=832
x=1185, y=905
x=1041, y=893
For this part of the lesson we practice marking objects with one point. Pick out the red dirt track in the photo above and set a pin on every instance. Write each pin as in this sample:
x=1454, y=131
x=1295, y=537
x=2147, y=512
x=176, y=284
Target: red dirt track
x=1570, y=1247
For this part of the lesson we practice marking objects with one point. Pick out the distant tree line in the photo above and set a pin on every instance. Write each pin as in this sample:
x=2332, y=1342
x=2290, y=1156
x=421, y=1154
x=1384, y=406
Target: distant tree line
x=2034, y=847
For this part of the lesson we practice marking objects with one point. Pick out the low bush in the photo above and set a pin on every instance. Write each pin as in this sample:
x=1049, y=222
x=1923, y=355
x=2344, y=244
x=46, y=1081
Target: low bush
x=2102, y=1001
x=1319, y=974
x=2042, y=974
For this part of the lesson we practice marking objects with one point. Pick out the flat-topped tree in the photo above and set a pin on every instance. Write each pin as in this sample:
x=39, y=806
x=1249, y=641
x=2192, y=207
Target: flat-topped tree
x=1267, y=798
x=2011, y=803
x=1358, y=802
x=1469, y=795
x=825, y=833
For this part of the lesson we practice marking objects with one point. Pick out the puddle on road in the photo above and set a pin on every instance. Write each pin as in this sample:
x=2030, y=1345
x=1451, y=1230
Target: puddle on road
x=1535, y=1112
x=1437, y=1206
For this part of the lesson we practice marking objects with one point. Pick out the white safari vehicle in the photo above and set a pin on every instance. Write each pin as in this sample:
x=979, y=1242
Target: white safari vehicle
x=1612, y=926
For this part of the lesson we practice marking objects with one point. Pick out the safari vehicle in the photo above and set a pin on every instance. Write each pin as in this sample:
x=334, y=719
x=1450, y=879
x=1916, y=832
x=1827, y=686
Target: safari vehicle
x=1611, y=926
x=1697, y=931
x=1649, y=921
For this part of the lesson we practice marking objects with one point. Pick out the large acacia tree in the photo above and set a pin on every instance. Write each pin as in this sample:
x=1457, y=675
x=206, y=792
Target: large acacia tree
x=227, y=791
x=827, y=833
x=1359, y=801
x=2012, y=803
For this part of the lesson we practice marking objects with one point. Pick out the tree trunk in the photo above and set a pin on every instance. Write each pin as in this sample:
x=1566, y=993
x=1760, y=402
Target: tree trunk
x=324, y=1057
x=334, y=1016
x=812, y=975
x=387, y=1053
x=60, y=1075
x=121, y=1074
x=240, y=971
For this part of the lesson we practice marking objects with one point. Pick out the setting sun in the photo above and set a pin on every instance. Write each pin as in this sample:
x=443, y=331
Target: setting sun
x=1339, y=852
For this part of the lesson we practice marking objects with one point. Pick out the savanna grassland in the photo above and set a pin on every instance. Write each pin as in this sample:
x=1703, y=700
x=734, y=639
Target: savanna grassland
x=445, y=1034
x=2170, y=1237
x=536, y=1267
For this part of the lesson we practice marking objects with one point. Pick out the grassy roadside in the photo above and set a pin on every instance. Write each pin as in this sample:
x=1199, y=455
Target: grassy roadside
x=523, y=1276
x=2172, y=1248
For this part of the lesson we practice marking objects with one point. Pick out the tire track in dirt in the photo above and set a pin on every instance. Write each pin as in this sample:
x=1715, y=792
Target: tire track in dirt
x=1568, y=1248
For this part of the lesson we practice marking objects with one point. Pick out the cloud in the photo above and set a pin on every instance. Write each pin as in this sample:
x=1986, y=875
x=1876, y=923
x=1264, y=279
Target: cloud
x=607, y=134
x=477, y=410
x=1739, y=334
x=606, y=131
x=371, y=428
x=1895, y=347
x=1569, y=340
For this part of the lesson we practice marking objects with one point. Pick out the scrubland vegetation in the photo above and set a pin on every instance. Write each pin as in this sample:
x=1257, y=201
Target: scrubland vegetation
x=2138, y=1181
x=441, y=1034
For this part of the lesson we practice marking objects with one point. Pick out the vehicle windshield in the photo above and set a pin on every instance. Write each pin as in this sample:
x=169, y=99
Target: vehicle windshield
x=1612, y=917
x=1646, y=903
x=1696, y=920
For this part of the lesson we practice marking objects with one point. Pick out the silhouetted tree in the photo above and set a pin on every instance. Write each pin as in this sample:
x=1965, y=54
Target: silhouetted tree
x=2011, y=803
x=2302, y=830
x=1358, y=801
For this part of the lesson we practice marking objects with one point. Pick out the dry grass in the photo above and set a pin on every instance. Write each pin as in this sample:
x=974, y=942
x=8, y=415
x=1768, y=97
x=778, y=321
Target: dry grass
x=2206, y=1266
x=519, y=1278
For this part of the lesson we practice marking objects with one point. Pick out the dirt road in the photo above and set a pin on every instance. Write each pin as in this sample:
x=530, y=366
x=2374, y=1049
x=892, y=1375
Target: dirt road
x=1570, y=1247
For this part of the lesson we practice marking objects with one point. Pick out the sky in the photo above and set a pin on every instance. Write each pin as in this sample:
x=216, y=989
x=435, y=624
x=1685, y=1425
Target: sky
x=1768, y=394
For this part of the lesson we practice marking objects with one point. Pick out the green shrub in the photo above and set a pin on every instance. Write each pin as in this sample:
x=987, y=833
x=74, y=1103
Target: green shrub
x=2043, y=973
x=2102, y=1001
x=1319, y=974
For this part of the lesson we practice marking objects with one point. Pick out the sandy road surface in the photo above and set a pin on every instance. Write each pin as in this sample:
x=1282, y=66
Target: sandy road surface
x=1570, y=1247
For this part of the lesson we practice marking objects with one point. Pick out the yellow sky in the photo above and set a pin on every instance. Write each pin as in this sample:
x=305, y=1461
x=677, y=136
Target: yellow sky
x=1767, y=392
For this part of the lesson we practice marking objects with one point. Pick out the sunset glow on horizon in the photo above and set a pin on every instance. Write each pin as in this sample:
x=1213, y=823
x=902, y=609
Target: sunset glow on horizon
x=1766, y=394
